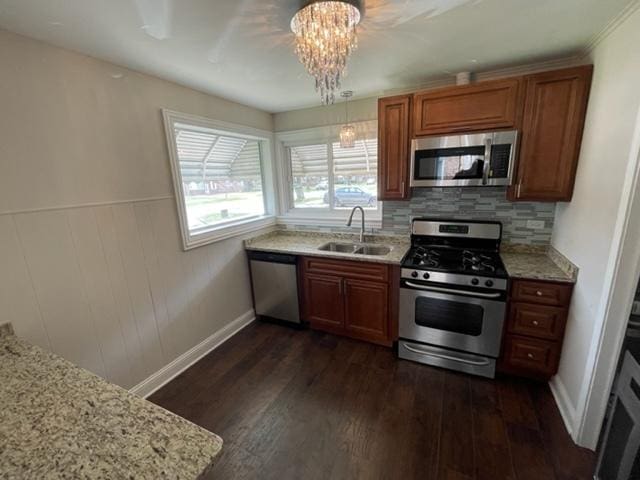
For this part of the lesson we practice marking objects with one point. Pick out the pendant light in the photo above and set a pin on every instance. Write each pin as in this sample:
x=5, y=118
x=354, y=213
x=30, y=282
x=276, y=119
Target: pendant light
x=347, y=131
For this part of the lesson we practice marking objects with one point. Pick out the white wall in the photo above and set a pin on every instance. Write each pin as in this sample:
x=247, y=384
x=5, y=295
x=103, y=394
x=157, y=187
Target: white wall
x=585, y=229
x=91, y=265
x=359, y=111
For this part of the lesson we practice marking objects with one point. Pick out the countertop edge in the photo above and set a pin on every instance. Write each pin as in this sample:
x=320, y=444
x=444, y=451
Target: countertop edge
x=334, y=255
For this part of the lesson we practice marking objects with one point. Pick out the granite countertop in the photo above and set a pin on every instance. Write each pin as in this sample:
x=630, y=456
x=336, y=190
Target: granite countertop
x=307, y=243
x=60, y=421
x=538, y=264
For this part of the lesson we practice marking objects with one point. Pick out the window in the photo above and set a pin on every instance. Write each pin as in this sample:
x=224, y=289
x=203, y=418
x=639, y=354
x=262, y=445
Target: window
x=218, y=177
x=323, y=179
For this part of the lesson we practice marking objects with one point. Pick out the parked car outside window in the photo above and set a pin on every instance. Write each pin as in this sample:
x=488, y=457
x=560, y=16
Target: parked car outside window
x=350, y=197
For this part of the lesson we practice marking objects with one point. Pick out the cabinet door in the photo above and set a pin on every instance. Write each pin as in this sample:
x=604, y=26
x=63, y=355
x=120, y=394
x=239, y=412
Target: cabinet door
x=366, y=310
x=323, y=302
x=555, y=108
x=393, y=147
x=480, y=106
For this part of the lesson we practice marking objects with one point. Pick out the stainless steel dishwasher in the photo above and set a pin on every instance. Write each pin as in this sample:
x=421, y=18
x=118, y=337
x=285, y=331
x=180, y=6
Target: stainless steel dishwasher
x=275, y=285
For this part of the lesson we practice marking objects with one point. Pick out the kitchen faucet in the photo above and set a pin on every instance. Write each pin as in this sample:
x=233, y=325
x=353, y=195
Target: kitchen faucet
x=351, y=219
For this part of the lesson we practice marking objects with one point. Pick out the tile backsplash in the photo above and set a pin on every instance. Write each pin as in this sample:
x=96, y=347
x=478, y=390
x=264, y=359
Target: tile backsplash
x=473, y=203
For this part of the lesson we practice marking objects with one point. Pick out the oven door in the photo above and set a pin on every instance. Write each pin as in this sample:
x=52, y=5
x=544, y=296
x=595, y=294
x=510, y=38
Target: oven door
x=466, y=320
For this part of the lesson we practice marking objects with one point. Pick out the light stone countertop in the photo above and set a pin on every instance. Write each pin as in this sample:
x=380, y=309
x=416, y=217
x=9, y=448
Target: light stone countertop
x=307, y=243
x=547, y=264
x=60, y=421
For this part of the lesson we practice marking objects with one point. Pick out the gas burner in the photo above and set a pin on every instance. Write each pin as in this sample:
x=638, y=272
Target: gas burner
x=482, y=267
x=427, y=257
x=474, y=257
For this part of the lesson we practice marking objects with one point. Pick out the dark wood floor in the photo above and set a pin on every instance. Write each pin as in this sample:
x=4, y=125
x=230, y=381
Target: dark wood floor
x=307, y=405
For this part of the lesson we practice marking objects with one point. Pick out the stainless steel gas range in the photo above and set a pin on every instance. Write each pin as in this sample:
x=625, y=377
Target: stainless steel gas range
x=453, y=293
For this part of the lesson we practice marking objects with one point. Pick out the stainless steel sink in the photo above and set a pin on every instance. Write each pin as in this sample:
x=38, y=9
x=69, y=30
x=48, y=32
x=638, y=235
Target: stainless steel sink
x=354, y=248
x=372, y=250
x=339, y=247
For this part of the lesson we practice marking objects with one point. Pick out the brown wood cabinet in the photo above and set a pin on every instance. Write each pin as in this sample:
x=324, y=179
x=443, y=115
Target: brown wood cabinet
x=537, y=316
x=480, y=106
x=393, y=147
x=548, y=109
x=348, y=298
x=554, y=114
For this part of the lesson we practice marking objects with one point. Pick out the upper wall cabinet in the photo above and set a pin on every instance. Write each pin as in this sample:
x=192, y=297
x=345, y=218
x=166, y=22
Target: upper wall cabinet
x=481, y=106
x=554, y=113
x=393, y=147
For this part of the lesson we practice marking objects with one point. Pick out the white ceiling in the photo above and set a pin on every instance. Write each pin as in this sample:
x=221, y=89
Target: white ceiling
x=242, y=49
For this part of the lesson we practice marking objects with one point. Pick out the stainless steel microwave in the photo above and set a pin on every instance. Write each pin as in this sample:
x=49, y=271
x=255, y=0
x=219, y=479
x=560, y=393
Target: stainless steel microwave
x=479, y=159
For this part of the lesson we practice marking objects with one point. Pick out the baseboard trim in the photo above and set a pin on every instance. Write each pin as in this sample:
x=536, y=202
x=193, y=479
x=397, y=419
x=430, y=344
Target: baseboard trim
x=567, y=410
x=167, y=373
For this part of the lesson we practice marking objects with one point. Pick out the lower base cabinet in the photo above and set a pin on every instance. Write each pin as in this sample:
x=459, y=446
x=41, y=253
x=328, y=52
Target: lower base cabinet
x=535, y=328
x=348, y=298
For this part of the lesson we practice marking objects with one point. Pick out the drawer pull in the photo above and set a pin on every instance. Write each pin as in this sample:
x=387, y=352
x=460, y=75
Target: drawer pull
x=530, y=355
x=539, y=293
x=535, y=323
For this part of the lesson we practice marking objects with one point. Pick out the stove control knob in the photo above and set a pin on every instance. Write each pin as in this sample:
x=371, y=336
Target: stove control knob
x=426, y=276
x=489, y=283
x=475, y=281
x=414, y=274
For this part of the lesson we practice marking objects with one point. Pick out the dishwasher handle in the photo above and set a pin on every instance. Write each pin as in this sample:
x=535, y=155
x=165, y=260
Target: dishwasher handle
x=272, y=257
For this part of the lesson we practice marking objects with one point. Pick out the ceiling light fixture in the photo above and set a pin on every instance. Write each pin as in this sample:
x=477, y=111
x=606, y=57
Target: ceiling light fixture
x=325, y=36
x=347, y=131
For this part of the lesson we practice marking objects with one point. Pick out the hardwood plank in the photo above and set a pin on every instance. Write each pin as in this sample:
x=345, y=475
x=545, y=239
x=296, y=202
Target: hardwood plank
x=305, y=404
x=529, y=456
x=515, y=402
x=456, y=450
x=491, y=444
x=569, y=461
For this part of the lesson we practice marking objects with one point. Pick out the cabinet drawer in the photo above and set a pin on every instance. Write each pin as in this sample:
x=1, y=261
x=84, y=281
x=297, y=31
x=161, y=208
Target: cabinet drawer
x=534, y=356
x=540, y=321
x=544, y=293
x=347, y=269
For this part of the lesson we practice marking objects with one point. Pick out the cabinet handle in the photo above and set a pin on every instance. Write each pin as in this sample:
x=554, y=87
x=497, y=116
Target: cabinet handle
x=402, y=188
x=539, y=293
x=518, y=189
x=535, y=323
x=530, y=355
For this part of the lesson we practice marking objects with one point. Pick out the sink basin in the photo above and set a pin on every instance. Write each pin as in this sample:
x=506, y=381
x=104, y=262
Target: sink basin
x=373, y=250
x=339, y=247
x=357, y=249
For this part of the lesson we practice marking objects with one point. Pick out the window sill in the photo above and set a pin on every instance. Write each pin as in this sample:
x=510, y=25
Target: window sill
x=372, y=220
x=228, y=231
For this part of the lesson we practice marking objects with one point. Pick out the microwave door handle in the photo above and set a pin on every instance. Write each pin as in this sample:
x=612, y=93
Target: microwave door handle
x=487, y=160
x=451, y=290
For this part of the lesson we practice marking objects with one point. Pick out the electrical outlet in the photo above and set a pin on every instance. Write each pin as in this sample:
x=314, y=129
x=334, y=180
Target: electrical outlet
x=635, y=310
x=535, y=224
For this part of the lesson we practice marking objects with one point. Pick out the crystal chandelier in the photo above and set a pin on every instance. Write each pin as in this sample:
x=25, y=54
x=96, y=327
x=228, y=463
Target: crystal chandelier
x=347, y=131
x=325, y=36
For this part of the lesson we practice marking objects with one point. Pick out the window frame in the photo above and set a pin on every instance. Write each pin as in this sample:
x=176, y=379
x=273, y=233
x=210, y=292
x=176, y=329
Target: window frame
x=232, y=227
x=331, y=217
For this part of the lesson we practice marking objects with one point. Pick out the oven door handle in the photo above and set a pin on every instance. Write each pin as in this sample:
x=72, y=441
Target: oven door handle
x=451, y=290
x=477, y=363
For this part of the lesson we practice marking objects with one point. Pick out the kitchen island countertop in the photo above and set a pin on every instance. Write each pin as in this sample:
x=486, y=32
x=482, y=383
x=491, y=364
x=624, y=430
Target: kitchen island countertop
x=60, y=421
